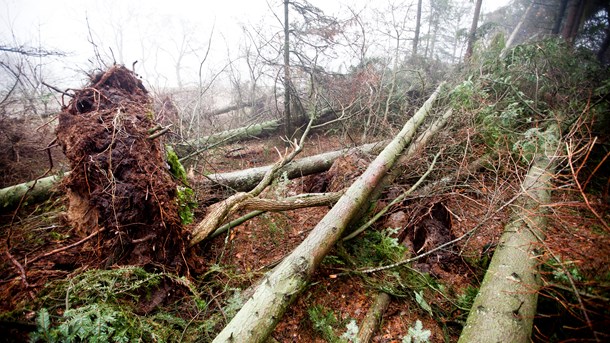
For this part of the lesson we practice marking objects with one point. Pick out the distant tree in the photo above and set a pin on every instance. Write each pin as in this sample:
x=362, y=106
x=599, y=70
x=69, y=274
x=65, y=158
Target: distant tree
x=287, y=83
x=417, y=27
x=473, y=30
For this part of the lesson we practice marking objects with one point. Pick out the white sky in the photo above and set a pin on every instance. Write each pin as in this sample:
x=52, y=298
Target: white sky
x=152, y=30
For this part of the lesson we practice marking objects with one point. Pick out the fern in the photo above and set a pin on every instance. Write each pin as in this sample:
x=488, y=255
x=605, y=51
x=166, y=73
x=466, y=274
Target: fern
x=417, y=334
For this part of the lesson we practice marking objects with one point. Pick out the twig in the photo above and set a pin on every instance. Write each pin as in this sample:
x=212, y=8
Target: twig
x=470, y=232
x=66, y=247
x=582, y=193
x=584, y=185
x=58, y=90
x=159, y=133
x=236, y=222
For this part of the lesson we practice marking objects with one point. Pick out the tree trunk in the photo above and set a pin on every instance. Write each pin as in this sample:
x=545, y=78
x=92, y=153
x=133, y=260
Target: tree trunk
x=287, y=116
x=247, y=179
x=505, y=307
x=417, y=28
x=255, y=130
x=573, y=20
x=41, y=190
x=472, y=34
x=234, y=107
x=259, y=315
x=516, y=30
x=560, y=15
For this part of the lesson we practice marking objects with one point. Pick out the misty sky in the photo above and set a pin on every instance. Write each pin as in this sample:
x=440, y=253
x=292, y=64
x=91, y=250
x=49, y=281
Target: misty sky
x=150, y=31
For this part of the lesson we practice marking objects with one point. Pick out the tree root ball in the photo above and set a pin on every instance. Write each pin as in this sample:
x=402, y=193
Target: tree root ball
x=120, y=180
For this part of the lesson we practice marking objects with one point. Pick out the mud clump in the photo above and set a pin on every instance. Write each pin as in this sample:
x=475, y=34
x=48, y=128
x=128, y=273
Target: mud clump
x=120, y=182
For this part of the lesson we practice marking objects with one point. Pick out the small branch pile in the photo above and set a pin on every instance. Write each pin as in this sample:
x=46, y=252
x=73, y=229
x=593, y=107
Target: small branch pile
x=119, y=184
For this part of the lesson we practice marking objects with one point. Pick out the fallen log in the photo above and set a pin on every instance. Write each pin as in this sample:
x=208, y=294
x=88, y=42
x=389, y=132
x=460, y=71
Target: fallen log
x=247, y=179
x=264, y=129
x=241, y=180
x=255, y=130
x=505, y=306
x=37, y=191
x=259, y=315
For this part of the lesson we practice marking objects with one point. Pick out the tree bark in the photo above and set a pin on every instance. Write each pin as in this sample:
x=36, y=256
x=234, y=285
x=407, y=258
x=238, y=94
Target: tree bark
x=40, y=191
x=505, y=307
x=417, y=28
x=472, y=34
x=287, y=114
x=245, y=180
x=516, y=30
x=259, y=315
x=255, y=130
x=371, y=322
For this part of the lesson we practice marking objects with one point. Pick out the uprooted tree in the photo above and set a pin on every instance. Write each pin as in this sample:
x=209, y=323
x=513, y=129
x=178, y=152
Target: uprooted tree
x=119, y=185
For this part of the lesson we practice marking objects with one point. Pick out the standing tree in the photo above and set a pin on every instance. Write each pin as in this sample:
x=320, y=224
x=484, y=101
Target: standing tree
x=472, y=34
x=287, y=115
x=417, y=27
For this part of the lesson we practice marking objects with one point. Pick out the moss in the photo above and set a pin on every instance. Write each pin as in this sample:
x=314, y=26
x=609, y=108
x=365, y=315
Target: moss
x=184, y=194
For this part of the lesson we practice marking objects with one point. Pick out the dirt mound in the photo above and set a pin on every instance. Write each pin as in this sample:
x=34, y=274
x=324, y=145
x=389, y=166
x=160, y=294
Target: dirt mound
x=120, y=181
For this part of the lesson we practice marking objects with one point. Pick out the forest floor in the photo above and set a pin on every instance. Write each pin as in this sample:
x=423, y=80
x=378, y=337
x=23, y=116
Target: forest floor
x=436, y=291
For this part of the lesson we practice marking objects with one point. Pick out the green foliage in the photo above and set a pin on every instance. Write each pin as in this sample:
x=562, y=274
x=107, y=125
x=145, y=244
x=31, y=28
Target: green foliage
x=421, y=301
x=325, y=323
x=185, y=195
x=377, y=248
x=417, y=334
x=186, y=204
x=466, y=299
x=514, y=96
x=98, y=306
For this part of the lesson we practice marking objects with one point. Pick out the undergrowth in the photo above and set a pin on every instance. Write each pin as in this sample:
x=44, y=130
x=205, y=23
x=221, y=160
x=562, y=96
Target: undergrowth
x=102, y=306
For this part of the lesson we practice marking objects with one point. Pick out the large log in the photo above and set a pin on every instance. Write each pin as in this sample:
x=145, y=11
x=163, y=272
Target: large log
x=259, y=315
x=259, y=130
x=247, y=179
x=246, y=132
x=505, y=306
x=37, y=191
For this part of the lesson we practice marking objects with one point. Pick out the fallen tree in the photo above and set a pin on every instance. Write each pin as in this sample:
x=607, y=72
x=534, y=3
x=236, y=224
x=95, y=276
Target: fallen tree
x=34, y=191
x=259, y=315
x=264, y=129
x=505, y=306
x=254, y=130
x=241, y=180
x=247, y=179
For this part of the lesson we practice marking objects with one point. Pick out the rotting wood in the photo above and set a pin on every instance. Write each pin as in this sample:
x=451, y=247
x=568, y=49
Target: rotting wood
x=372, y=320
x=259, y=315
x=505, y=306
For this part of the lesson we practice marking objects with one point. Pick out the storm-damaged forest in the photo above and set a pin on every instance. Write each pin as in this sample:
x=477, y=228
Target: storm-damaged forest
x=396, y=171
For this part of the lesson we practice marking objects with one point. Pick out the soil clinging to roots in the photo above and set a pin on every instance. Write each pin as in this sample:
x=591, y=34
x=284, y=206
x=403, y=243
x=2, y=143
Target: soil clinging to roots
x=120, y=183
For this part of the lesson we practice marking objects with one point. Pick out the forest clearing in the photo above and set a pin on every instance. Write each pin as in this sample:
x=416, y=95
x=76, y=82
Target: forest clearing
x=413, y=198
